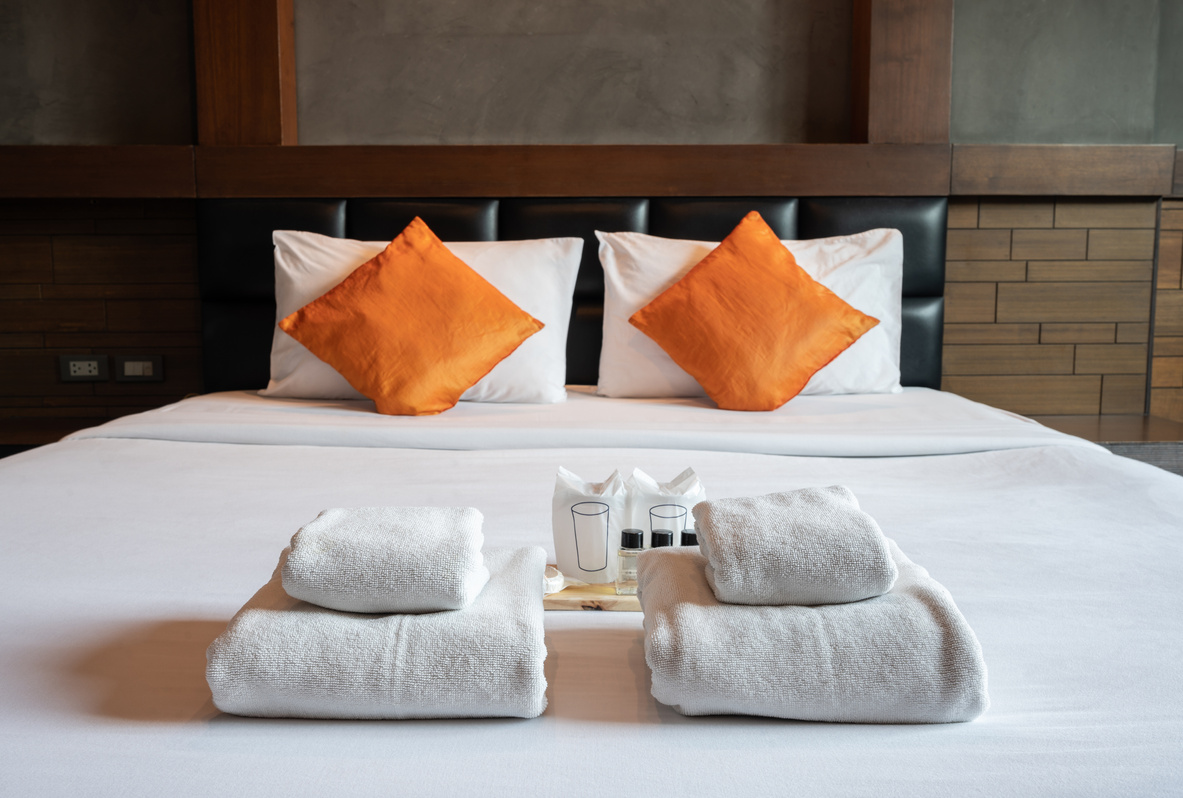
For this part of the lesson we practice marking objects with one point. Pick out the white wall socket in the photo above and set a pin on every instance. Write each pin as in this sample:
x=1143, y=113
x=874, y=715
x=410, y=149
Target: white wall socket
x=83, y=368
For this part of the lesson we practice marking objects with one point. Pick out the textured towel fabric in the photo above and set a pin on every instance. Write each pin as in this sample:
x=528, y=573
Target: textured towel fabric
x=281, y=657
x=904, y=657
x=388, y=559
x=809, y=546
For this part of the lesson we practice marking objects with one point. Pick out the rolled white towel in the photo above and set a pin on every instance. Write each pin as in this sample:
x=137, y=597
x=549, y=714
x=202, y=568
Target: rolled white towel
x=904, y=657
x=281, y=657
x=808, y=546
x=388, y=559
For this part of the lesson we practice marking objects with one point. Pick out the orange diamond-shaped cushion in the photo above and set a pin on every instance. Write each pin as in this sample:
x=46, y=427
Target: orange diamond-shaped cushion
x=412, y=328
x=748, y=323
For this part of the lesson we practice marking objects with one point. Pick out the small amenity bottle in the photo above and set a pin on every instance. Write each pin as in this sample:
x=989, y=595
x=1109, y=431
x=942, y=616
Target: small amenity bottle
x=662, y=537
x=631, y=543
x=689, y=537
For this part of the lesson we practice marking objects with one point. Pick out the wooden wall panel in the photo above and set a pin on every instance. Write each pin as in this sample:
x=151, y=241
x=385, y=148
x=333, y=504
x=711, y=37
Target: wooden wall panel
x=574, y=171
x=1044, y=325
x=74, y=290
x=902, y=71
x=1062, y=169
x=244, y=54
x=68, y=171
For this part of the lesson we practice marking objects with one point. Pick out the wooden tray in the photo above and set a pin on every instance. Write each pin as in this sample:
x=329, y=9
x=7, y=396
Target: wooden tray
x=591, y=597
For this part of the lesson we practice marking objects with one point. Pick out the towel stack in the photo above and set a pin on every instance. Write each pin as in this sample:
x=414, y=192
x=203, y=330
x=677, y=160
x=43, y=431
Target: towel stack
x=446, y=632
x=797, y=606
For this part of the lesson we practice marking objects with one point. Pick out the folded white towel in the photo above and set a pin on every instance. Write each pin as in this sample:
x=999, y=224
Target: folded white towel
x=388, y=559
x=904, y=657
x=281, y=657
x=809, y=546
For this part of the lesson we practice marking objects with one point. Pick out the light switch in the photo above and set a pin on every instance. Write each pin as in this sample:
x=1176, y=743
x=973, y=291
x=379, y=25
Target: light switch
x=139, y=368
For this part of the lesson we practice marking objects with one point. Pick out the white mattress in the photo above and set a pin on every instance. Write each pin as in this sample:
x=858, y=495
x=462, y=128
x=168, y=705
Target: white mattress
x=124, y=557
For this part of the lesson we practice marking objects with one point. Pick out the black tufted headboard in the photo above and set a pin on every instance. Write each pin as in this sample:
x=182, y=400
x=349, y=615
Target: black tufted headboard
x=237, y=269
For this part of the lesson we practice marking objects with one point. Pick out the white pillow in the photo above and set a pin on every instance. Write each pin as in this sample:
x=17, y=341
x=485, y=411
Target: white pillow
x=537, y=276
x=866, y=270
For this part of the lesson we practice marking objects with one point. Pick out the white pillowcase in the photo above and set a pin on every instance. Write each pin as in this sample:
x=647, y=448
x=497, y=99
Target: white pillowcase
x=866, y=270
x=538, y=276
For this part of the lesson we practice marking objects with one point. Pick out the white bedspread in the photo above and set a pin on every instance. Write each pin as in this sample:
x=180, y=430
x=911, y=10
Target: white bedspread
x=123, y=558
x=917, y=421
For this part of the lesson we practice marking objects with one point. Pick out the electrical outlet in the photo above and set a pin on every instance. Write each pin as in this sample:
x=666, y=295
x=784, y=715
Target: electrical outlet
x=83, y=368
x=139, y=368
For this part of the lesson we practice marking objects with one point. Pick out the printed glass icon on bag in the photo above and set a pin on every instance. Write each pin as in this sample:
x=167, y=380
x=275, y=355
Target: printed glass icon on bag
x=590, y=520
x=668, y=516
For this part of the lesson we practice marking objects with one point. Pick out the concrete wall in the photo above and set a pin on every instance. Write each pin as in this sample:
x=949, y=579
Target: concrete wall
x=594, y=71
x=1068, y=71
x=572, y=71
x=96, y=72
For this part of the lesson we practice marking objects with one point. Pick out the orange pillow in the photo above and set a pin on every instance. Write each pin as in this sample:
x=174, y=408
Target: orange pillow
x=412, y=328
x=748, y=323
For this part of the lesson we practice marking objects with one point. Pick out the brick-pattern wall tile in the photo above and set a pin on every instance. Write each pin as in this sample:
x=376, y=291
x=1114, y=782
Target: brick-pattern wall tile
x=1067, y=333
x=1049, y=244
x=1166, y=392
x=1106, y=214
x=1121, y=244
x=1118, y=271
x=1070, y=299
x=985, y=271
x=1133, y=332
x=1007, y=359
x=95, y=276
x=991, y=333
x=969, y=302
x=1123, y=393
x=1011, y=214
x=963, y=213
x=978, y=245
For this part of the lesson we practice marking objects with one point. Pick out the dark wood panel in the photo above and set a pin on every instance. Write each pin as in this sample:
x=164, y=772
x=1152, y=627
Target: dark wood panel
x=1177, y=191
x=153, y=315
x=902, y=71
x=51, y=315
x=244, y=56
x=69, y=171
x=1063, y=169
x=26, y=259
x=569, y=171
x=125, y=259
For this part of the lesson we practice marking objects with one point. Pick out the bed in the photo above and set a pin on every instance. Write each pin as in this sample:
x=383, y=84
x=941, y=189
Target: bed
x=128, y=547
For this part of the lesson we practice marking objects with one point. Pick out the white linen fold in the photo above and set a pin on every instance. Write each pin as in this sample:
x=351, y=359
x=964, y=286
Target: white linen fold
x=907, y=656
x=281, y=657
x=808, y=546
x=388, y=559
x=919, y=421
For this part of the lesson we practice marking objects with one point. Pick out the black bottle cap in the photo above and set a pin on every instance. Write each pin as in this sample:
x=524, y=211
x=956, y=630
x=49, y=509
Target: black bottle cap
x=662, y=537
x=632, y=539
x=689, y=538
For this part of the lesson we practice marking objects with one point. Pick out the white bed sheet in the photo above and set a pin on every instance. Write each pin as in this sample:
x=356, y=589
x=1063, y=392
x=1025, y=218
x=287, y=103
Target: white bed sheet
x=123, y=558
x=917, y=421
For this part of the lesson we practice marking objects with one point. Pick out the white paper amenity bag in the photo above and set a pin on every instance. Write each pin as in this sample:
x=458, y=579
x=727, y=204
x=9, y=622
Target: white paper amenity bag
x=587, y=521
x=663, y=505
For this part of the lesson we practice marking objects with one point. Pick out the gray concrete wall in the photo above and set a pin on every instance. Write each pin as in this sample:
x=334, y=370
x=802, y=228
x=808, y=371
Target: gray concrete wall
x=1168, y=108
x=95, y=72
x=572, y=71
x=1058, y=71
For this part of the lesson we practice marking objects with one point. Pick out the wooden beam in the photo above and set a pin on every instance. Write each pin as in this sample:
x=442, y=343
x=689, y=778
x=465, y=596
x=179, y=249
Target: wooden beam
x=1177, y=191
x=79, y=171
x=573, y=171
x=902, y=71
x=245, y=65
x=1142, y=170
